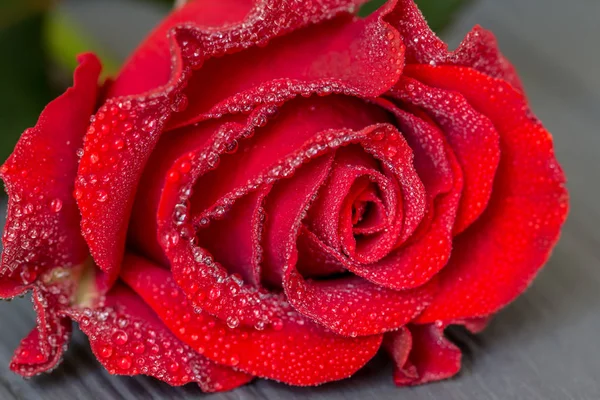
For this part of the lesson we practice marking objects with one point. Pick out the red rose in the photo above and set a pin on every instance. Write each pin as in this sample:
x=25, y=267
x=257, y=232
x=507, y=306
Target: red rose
x=277, y=190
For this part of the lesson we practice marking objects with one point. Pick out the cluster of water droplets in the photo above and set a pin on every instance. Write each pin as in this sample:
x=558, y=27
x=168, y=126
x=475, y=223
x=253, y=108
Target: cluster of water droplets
x=204, y=279
x=129, y=345
x=276, y=93
x=473, y=137
x=266, y=20
x=118, y=132
x=289, y=350
x=381, y=140
x=52, y=293
x=32, y=236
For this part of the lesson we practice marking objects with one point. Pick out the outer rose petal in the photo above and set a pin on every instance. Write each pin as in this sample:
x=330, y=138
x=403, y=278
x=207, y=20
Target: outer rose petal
x=479, y=50
x=43, y=348
x=360, y=57
x=497, y=257
x=150, y=66
x=126, y=129
x=422, y=354
x=42, y=227
x=294, y=350
x=153, y=56
x=128, y=339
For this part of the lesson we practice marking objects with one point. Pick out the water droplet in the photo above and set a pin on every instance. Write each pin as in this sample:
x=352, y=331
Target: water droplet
x=105, y=351
x=277, y=324
x=185, y=167
x=213, y=160
x=171, y=239
x=180, y=104
x=122, y=322
x=231, y=147
x=124, y=362
x=180, y=214
x=102, y=196
x=28, y=275
x=173, y=176
x=120, y=337
x=139, y=348
x=56, y=205
x=233, y=322
x=214, y=293
x=233, y=287
x=173, y=366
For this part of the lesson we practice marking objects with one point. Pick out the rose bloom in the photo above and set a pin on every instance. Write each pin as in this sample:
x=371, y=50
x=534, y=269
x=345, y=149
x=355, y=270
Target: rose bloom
x=278, y=189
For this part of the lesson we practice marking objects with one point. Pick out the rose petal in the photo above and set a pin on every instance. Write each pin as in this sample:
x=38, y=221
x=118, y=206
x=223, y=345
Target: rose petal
x=474, y=325
x=42, y=227
x=425, y=254
x=150, y=66
x=235, y=240
x=298, y=121
x=399, y=345
x=432, y=357
x=479, y=50
x=329, y=302
x=270, y=155
x=294, y=350
x=194, y=269
x=368, y=216
x=126, y=129
x=35, y=356
x=286, y=204
x=163, y=167
x=330, y=218
x=498, y=257
x=43, y=348
x=128, y=339
x=472, y=136
x=356, y=57
x=313, y=260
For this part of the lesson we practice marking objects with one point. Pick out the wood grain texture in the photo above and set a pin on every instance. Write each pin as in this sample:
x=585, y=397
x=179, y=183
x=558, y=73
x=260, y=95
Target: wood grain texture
x=545, y=345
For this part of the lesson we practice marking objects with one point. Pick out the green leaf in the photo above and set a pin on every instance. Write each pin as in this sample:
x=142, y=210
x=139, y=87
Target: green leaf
x=65, y=39
x=25, y=88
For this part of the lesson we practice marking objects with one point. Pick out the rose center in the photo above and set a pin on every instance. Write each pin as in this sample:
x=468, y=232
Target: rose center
x=368, y=213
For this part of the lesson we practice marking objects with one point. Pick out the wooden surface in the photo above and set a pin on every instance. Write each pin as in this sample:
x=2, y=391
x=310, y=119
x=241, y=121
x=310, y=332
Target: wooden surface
x=544, y=346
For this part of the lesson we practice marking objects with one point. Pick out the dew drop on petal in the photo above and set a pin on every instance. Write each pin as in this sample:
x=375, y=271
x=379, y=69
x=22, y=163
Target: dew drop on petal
x=120, y=337
x=214, y=293
x=105, y=351
x=124, y=362
x=233, y=322
x=56, y=205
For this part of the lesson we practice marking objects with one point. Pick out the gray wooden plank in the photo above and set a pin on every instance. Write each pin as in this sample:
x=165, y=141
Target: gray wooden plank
x=543, y=346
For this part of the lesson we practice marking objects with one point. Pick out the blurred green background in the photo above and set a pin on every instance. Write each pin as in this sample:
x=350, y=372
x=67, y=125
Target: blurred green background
x=39, y=40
